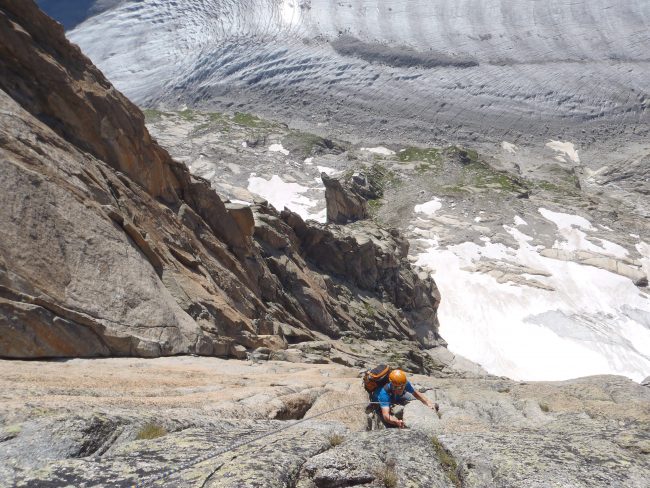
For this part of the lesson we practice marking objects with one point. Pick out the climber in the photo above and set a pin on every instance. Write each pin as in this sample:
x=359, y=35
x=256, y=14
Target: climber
x=392, y=397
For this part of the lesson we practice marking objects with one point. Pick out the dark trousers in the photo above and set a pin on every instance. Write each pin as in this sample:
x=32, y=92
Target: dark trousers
x=376, y=419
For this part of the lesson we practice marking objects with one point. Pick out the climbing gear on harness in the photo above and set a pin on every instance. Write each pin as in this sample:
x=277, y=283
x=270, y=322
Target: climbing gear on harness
x=374, y=417
x=376, y=377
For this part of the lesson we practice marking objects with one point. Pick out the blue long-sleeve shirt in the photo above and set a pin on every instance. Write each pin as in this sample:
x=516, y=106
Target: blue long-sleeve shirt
x=386, y=396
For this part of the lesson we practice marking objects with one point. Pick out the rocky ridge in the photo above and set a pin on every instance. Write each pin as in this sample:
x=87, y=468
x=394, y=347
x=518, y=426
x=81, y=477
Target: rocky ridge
x=112, y=248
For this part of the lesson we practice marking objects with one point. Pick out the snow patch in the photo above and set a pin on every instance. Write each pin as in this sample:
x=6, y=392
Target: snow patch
x=644, y=251
x=327, y=171
x=278, y=148
x=566, y=148
x=576, y=240
x=309, y=161
x=509, y=147
x=241, y=202
x=612, y=248
x=427, y=239
x=379, y=150
x=519, y=221
x=565, y=221
x=429, y=208
x=281, y=194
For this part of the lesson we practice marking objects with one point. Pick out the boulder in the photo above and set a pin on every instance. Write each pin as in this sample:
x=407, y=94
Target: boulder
x=624, y=267
x=344, y=204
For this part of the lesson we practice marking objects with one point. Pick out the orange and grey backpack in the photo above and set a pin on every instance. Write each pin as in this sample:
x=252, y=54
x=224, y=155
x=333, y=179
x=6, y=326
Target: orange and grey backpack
x=376, y=377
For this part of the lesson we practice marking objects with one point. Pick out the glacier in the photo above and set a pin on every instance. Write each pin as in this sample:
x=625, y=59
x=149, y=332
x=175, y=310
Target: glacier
x=436, y=69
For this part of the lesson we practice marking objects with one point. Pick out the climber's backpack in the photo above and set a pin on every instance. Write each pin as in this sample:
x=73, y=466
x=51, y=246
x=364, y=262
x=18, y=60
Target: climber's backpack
x=376, y=377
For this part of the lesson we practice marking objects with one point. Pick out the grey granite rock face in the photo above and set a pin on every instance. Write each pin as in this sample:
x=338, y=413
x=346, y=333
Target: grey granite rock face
x=208, y=422
x=401, y=457
x=585, y=432
x=271, y=464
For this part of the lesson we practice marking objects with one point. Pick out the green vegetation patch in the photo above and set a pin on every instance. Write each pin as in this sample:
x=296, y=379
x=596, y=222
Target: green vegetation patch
x=347, y=174
x=454, y=190
x=423, y=168
x=387, y=476
x=215, y=120
x=222, y=121
x=429, y=155
x=381, y=178
x=217, y=117
x=447, y=461
x=336, y=440
x=466, y=156
x=41, y=411
x=396, y=360
x=548, y=186
x=152, y=115
x=187, y=114
x=569, y=187
x=304, y=142
x=369, y=309
x=310, y=144
x=9, y=432
x=151, y=430
x=250, y=120
x=374, y=206
x=479, y=174
x=563, y=181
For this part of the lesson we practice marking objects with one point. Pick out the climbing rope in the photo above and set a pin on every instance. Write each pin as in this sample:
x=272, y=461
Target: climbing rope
x=210, y=455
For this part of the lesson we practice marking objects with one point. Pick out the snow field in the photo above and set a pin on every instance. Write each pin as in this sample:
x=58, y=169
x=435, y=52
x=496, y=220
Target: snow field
x=281, y=194
x=594, y=322
x=575, y=239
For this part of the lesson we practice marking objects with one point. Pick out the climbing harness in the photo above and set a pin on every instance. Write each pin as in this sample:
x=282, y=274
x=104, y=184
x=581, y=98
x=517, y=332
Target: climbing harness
x=205, y=457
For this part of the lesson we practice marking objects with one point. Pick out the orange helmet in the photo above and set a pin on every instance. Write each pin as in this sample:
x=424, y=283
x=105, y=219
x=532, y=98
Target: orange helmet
x=397, y=377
